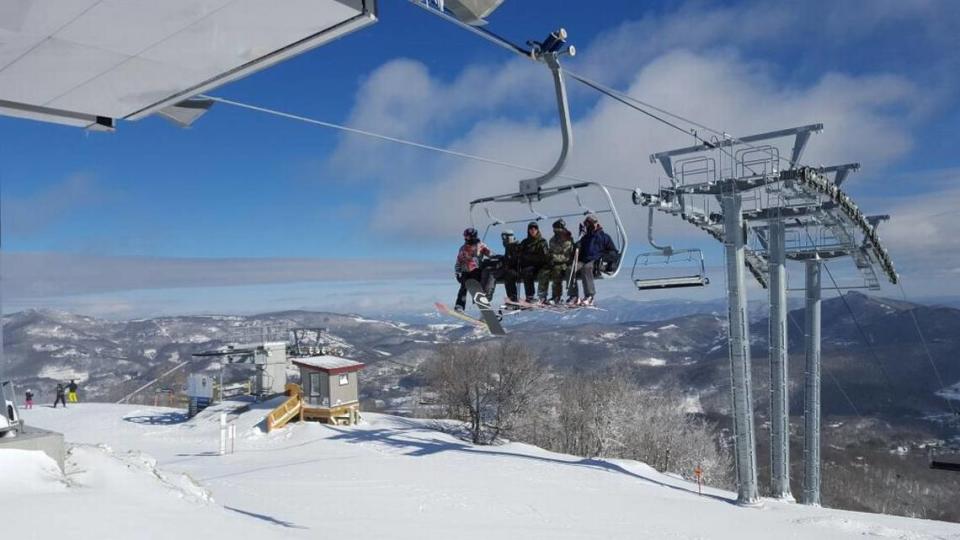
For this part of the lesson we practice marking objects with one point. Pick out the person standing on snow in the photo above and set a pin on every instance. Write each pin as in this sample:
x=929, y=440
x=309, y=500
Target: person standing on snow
x=72, y=392
x=506, y=269
x=28, y=401
x=467, y=266
x=561, y=256
x=534, y=255
x=61, y=397
x=593, y=245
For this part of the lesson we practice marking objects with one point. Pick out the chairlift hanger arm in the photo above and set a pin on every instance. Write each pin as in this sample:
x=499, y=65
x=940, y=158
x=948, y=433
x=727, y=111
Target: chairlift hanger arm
x=533, y=185
x=548, y=52
x=665, y=249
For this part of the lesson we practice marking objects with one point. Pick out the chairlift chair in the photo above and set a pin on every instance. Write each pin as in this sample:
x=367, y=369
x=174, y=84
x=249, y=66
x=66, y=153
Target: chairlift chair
x=534, y=190
x=658, y=269
x=494, y=221
x=944, y=461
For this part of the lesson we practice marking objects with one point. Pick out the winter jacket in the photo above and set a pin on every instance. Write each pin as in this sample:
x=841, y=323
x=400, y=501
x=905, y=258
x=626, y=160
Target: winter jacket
x=468, y=258
x=72, y=387
x=534, y=251
x=561, y=249
x=511, y=254
x=594, y=245
x=60, y=390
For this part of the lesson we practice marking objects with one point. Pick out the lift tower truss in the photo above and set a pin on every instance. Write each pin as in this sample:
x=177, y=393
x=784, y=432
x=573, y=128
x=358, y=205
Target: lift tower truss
x=767, y=209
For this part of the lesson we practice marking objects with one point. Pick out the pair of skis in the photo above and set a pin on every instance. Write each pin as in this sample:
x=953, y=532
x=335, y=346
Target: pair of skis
x=490, y=318
x=553, y=308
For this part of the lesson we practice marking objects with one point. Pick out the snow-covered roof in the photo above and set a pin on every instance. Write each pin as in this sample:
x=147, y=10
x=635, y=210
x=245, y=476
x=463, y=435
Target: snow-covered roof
x=330, y=364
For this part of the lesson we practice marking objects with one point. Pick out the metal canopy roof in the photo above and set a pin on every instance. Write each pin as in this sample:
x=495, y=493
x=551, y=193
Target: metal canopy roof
x=87, y=62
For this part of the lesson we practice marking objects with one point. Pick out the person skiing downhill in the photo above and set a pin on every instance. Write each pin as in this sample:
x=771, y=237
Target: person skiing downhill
x=504, y=268
x=61, y=397
x=467, y=266
x=594, y=244
x=534, y=255
x=28, y=401
x=561, y=257
x=72, y=392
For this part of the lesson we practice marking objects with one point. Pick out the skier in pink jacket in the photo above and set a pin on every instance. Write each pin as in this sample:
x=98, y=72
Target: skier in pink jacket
x=468, y=264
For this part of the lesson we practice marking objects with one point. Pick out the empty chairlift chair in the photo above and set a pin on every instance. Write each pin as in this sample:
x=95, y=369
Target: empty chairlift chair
x=945, y=461
x=666, y=267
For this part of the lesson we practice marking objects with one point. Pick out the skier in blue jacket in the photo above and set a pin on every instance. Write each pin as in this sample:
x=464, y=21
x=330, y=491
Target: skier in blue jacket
x=593, y=245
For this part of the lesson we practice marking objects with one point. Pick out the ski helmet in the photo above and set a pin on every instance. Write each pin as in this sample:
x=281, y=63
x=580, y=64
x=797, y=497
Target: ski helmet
x=533, y=225
x=470, y=232
x=560, y=224
x=507, y=233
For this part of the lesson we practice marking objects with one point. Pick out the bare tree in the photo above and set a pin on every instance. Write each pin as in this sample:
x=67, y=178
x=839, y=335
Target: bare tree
x=490, y=387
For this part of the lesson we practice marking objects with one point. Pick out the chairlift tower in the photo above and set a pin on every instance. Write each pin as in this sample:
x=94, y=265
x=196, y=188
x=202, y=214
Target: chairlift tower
x=767, y=209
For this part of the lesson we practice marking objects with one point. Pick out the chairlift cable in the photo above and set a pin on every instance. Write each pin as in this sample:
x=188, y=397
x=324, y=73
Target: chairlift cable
x=926, y=350
x=624, y=98
x=856, y=322
x=372, y=134
x=830, y=374
x=397, y=140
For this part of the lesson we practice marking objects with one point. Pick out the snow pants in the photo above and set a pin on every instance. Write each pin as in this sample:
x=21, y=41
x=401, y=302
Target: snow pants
x=585, y=274
x=507, y=275
x=529, y=276
x=462, y=293
x=72, y=397
x=555, y=274
x=60, y=399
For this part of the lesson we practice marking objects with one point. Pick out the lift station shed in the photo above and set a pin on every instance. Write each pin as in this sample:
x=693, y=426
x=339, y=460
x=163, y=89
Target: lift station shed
x=329, y=388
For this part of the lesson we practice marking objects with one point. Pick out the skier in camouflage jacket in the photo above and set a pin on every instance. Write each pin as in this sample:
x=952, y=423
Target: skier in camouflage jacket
x=557, y=270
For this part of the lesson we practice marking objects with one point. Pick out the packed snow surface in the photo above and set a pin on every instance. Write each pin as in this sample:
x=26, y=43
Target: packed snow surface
x=148, y=472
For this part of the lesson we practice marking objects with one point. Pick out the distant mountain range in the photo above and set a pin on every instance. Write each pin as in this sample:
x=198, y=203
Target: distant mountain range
x=681, y=344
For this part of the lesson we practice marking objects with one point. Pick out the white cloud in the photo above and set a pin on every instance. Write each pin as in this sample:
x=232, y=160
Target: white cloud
x=923, y=235
x=612, y=143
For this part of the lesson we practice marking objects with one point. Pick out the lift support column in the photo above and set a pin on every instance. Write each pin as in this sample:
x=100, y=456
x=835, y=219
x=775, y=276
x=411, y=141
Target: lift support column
x=779, y=398
x=741, y=393
x=811, y=409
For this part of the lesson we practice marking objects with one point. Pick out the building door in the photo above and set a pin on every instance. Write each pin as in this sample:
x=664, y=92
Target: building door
x=314, y=388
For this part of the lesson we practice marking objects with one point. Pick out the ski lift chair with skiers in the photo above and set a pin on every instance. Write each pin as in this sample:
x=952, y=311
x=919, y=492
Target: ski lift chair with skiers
x=534, y=190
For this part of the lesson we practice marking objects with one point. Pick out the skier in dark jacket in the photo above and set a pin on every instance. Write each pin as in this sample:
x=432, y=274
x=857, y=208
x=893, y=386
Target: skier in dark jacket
x=61, y=396
x=72, y=391
x=593, y=246
x=534, y=255
x=505, y=268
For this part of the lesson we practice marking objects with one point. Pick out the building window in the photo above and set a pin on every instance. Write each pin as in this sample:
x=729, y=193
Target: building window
x=344, y=379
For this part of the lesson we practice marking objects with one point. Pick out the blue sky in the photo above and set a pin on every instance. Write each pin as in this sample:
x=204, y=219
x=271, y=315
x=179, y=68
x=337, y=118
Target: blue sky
x=882, y=75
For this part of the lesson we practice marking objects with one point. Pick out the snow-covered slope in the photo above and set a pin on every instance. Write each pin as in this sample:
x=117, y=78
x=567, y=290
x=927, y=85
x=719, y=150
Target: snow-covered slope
x=387, y=478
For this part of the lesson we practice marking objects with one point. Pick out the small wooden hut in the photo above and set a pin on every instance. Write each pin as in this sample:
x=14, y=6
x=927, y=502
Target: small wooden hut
x=329, y=389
